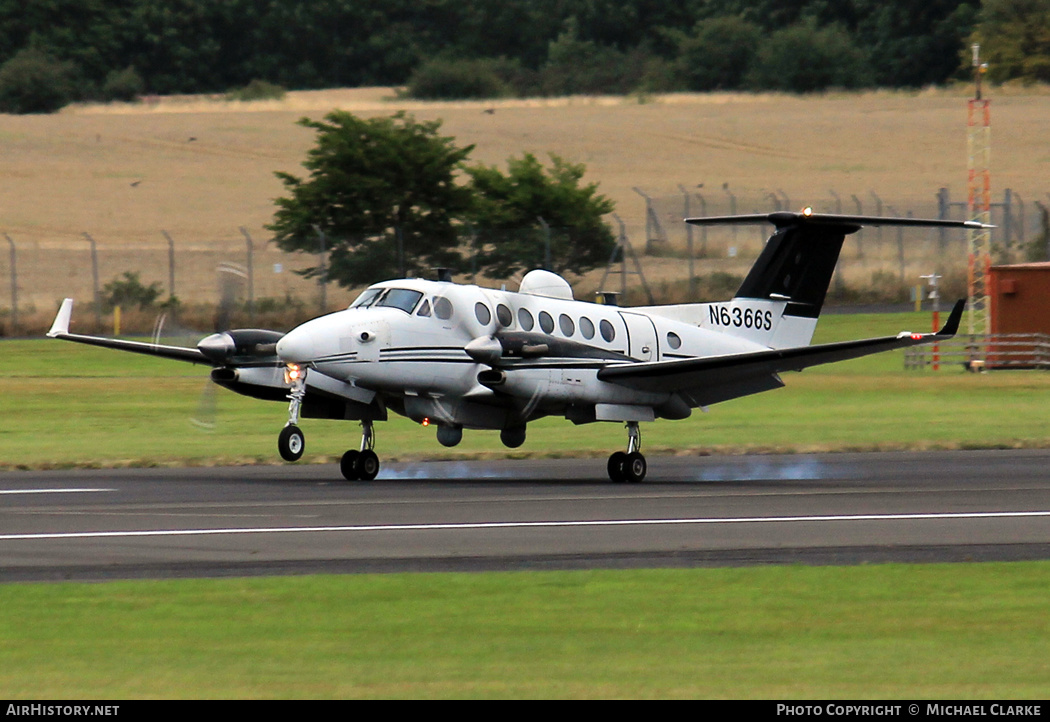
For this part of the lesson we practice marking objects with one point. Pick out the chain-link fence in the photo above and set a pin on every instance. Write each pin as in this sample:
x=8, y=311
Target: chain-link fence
x=872, y=257
x=42, y=272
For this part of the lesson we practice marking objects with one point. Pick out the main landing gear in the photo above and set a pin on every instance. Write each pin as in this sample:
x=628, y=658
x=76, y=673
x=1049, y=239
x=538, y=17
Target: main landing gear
x=355, y=465
x=361, y=465
x=629, y=466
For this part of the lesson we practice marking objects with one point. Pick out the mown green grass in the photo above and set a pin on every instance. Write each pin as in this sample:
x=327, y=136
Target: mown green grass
x=974, y=631
x=890, y=631
x=65, y=404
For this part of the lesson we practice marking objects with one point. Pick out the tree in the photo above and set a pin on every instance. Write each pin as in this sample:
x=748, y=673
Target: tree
x=1015, y=40
x=33, y=82
x=129, y=291
x=717, y=55
x=508, y=209
x=383, y=193
x=805, y=58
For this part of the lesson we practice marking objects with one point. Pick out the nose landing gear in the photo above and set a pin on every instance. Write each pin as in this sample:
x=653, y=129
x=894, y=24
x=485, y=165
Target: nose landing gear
x=629, y=466
x=291, y=443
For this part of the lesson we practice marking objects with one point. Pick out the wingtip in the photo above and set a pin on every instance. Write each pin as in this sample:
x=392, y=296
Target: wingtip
x=951, y=326
x=61, y=323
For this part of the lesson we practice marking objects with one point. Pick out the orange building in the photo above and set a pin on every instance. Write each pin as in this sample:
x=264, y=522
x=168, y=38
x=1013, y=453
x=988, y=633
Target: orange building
x=1020, y=304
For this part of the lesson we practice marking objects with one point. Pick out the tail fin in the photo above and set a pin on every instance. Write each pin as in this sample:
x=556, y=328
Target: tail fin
x=794, y=269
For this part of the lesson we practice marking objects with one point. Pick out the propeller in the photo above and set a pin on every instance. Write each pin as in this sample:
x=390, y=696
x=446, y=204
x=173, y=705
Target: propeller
x=231, y=347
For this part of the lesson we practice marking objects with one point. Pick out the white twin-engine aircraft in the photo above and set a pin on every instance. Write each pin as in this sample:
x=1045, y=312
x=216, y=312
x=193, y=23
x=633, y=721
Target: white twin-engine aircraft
x=457, y=356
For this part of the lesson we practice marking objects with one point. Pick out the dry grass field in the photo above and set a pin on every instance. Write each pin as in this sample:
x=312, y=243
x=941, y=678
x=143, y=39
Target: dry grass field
x=201, y=169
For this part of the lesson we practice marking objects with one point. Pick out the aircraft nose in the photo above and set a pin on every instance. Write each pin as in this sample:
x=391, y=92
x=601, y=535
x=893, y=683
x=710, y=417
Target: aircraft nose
x=296, y=346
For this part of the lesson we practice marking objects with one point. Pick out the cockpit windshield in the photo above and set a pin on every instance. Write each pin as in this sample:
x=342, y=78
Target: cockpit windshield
x=401, y=298
x=367, y=298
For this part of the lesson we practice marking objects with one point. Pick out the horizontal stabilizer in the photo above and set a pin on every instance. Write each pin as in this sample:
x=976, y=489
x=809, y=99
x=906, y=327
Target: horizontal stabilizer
x=782, y=219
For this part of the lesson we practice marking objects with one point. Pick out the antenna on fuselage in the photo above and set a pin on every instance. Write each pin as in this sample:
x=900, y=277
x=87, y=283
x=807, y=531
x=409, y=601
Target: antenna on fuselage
x=444, y=275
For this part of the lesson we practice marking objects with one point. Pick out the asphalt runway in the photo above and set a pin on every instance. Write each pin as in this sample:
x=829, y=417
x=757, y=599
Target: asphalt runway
x=530, y=514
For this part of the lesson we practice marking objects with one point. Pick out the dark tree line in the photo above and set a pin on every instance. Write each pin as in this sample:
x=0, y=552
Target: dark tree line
x=114, y=48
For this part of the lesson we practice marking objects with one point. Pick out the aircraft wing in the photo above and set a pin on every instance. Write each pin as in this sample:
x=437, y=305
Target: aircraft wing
x=709, y=380
x=60, y=329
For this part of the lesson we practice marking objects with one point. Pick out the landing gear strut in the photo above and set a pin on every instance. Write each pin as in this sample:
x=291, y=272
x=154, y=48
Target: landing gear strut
x=629, y=466
x=361, y=465
x=291, y=443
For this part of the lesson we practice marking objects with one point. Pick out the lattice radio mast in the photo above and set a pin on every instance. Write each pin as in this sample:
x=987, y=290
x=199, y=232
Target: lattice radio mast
x=979, y=203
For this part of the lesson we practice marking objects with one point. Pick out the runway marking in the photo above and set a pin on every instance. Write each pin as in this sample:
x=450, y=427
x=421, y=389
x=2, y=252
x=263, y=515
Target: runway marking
x=51, y=491
x=521, y=525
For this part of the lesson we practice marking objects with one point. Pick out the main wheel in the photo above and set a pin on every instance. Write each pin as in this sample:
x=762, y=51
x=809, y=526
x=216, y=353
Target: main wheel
x=348, y=465
x=634, y=467
x=291, y=443
x=616, y=467
x=366, y=465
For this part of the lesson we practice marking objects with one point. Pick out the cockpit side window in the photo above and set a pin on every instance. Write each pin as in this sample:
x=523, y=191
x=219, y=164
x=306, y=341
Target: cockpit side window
x=401, y=298
x=442, y=308
x=424, y=308
x=367, y=298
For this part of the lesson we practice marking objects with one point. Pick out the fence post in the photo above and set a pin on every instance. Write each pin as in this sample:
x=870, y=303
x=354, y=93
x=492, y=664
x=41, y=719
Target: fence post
x=732, y=211
x=943, y=212
x=14, y=286
x=654, y=232
x=171, y=264
x=1007, y=198
x=94, y=281
x=251, y=274
x=859, y=235
x=688, y=241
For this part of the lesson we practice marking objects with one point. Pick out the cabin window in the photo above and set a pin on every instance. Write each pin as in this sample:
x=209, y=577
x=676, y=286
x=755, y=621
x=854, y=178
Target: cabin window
x=608, y=332
x=525, y=319
x=367, y=297
x=566, y=325
x=674, y=340
x=504, y=316
x=442, y=308
x=546, y=322
x=401, y=298
x=424, y=308
x=587, y=327
x=483, y=313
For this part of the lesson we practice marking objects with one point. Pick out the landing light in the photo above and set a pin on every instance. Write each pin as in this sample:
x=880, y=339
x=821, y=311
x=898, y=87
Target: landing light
x=292, y=372
x=807, y=211
x=425, y=421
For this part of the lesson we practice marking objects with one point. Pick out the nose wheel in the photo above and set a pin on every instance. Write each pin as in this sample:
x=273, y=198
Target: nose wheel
x=363, y=464
x=291, y=443
x=629, y=466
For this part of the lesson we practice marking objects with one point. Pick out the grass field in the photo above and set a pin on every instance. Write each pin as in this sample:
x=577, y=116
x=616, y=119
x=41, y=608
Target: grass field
x=889, y=631
x=72, y=405
x=945, y=632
